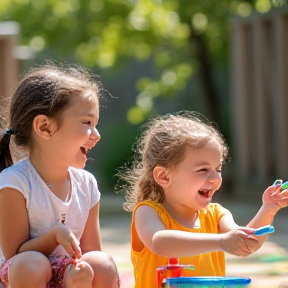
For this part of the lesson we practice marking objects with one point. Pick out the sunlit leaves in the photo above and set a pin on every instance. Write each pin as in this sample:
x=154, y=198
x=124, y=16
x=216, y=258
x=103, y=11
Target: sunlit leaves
x=138, y=21
x=200, y=22
x=96, y=5
x=145, y=101
x=263, y=5
x=170, y=81
x=279, y=2
x=104, y=32
x=243, y=9
x=37, y=43
x=135, y=115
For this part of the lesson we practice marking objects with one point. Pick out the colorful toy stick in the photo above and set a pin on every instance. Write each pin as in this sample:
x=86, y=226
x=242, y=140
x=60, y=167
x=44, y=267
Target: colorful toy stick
x=264, y=230
x=277, y=182
x=283, y=185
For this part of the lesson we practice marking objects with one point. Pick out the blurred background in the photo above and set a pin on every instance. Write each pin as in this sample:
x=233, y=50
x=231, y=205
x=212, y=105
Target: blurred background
x=226, y=59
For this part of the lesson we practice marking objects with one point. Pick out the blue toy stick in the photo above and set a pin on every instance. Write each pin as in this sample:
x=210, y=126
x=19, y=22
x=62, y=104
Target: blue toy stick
x=283, y=185
x=264, y=230
x=277, y=182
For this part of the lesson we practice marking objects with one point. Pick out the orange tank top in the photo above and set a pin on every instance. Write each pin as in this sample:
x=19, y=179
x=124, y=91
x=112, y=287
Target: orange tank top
x=145, y=262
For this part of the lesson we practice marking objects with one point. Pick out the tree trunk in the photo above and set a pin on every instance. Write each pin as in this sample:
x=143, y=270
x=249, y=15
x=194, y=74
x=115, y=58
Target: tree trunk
x=208, y=86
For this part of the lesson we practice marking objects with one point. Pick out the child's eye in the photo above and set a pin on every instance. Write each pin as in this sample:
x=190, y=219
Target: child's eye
x=203, y=170
x=87, y=122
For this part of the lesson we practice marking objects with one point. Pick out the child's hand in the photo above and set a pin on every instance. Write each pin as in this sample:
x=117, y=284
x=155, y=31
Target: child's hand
x=240, y=242
x=68, y=241
x=275, y=199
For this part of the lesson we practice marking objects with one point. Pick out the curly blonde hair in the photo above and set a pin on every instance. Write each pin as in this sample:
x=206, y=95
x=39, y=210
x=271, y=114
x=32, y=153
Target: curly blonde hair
x=163, y=142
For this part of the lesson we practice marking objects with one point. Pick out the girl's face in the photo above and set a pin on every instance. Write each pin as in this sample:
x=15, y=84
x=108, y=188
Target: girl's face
x=195, y=180
x=77, y=133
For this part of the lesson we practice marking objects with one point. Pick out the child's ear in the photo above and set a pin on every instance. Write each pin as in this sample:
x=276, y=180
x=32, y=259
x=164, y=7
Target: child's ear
x=42, y=126
x=161, y=176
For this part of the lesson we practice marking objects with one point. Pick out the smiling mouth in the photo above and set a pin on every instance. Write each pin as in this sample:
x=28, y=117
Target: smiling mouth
x=84, y=150
x=206, y=193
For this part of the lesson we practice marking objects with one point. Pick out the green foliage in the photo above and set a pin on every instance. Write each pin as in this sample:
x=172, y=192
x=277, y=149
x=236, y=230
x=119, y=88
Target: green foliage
x=108, y=33
x=104, y=33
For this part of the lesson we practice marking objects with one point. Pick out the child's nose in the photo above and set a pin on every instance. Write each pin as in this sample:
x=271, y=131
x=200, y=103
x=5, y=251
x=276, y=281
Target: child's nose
x=215, y=177
x=95, y=135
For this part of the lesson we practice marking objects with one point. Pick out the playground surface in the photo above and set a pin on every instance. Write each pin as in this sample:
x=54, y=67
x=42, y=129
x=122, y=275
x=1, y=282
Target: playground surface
x=267, y=268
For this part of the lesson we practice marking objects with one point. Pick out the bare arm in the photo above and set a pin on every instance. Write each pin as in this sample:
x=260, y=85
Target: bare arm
x=264, y=217
x=14, y=226
x=273, y=200
x=46, y=243
x=175, y=243
x=90, y=240
x=14, y=229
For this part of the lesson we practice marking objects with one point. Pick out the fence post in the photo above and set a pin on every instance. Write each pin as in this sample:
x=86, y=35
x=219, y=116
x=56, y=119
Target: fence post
x=260, y=99
x=9, y=65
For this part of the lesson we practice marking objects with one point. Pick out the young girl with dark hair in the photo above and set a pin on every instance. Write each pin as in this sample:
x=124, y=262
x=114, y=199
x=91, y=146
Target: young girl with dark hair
x=49, y=205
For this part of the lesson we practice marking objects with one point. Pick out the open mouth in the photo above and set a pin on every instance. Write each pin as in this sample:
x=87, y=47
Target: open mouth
x=84, y=150
x=207, y=193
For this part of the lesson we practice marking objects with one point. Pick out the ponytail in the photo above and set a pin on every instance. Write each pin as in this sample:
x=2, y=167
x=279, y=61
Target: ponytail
x=5, y=154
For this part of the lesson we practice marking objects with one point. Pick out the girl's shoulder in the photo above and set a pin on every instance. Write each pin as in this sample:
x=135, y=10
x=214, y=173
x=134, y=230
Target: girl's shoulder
x=19, y=168
x=15, y=176
x=158, y=207
x=150, y=203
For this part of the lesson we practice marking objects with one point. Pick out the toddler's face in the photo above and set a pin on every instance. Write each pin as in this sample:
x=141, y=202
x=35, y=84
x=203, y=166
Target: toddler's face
x=195, y=180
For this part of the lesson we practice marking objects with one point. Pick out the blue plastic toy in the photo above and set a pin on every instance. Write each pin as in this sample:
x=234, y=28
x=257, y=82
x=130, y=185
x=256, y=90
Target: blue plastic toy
x=170, y=277
x=200, y=282
x=264, y=230
x=283, y=185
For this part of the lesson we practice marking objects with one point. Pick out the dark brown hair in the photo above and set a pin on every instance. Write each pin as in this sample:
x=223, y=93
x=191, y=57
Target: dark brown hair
x=163, y=142
x=46, y=90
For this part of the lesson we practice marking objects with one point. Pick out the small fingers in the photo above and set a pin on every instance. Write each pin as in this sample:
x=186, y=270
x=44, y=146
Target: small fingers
x=284, y=193
x=76, y=248
x=77, y=251
x=277, y=191
x=249, y=244
x=283, y=202
x=281, y=198
x=244, y=252
x=69, y=249
x=246, y=247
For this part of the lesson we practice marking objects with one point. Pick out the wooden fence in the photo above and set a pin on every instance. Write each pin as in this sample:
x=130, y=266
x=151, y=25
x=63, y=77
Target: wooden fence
x=260, y=97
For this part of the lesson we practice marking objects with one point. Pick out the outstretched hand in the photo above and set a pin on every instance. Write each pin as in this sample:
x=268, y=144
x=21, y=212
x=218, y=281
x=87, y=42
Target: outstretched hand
x=240, y=242
x=274, y=198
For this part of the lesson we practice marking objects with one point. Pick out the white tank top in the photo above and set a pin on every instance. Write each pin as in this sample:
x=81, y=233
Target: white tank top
x=43, y=207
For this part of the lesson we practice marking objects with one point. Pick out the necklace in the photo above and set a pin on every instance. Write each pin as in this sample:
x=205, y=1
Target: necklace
x=49, y=185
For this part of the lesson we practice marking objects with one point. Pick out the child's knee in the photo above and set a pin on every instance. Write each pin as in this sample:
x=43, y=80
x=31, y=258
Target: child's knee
x=30, y=265
x=81, y=272
x=101, y=262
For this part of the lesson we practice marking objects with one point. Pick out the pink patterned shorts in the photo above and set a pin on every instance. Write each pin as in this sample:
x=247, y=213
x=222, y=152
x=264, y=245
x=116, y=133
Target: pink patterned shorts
x=58, y=265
